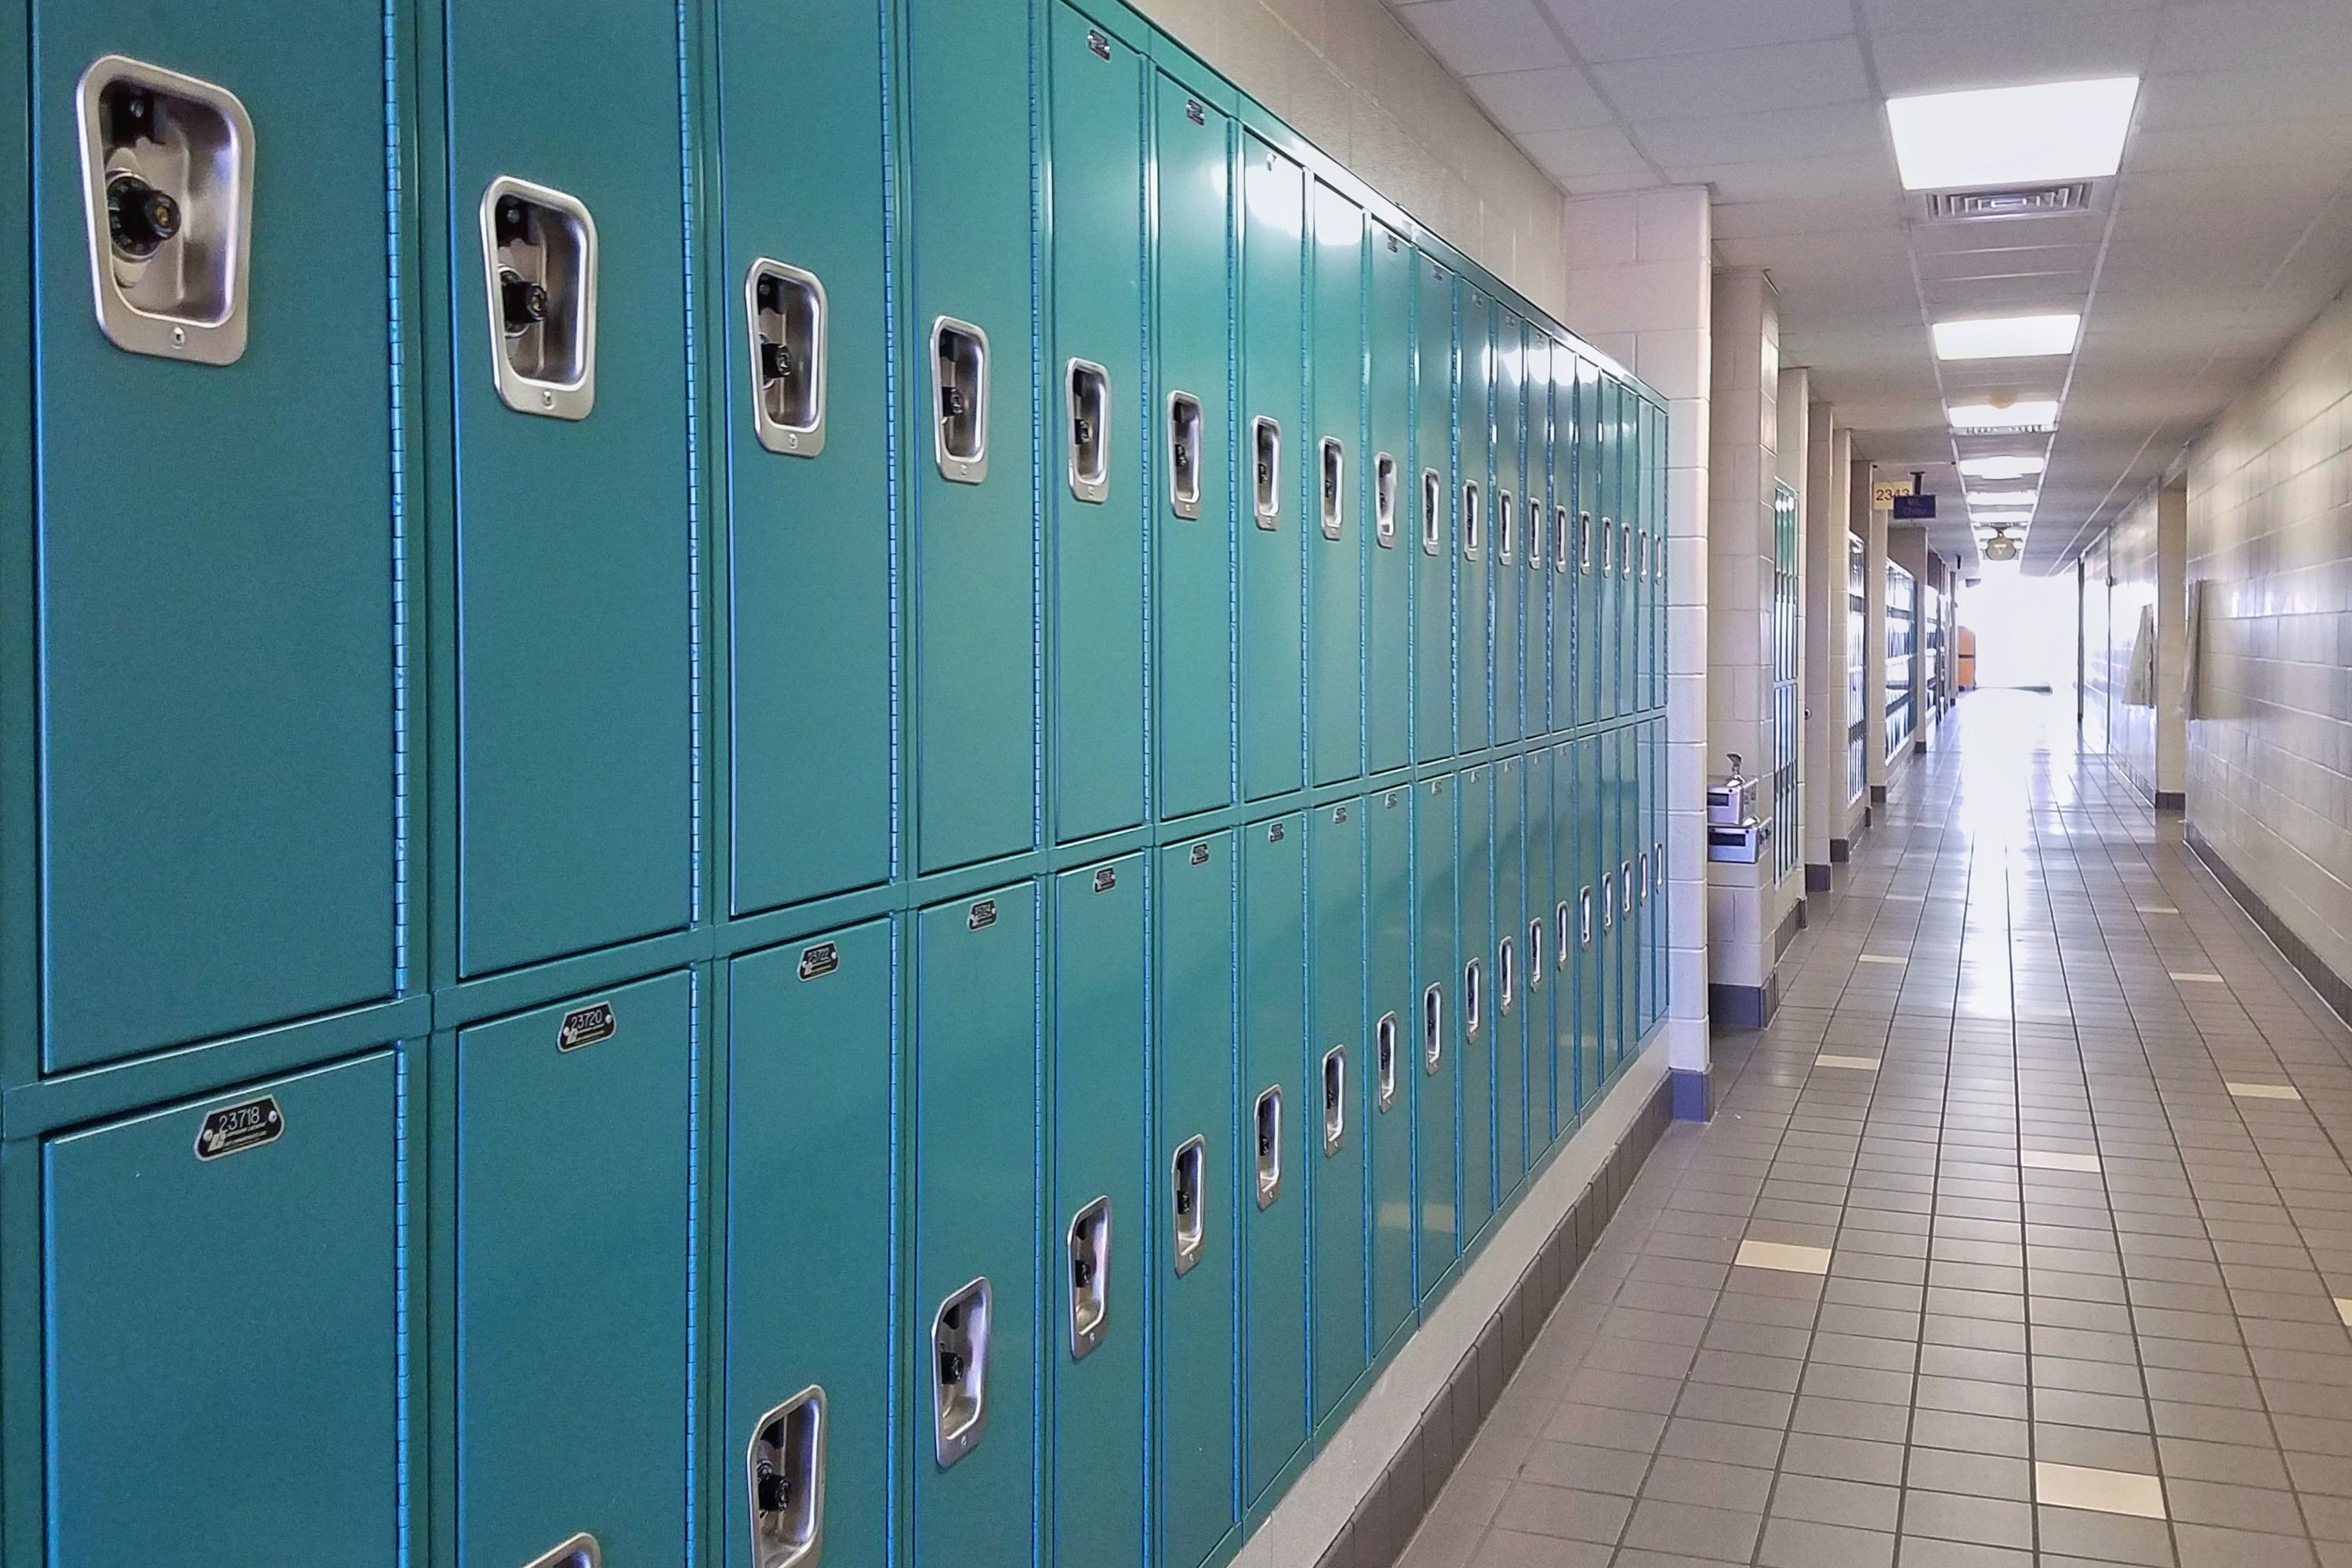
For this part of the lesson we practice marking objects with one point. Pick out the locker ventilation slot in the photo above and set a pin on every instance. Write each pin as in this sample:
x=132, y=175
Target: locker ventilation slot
x=1265, y=468
x=1269, y=1147
x=1385, y=498
x=1433, y=512
x=784, y=1478
x=1089, y=396
x=1385, y=1035
x=960, y=1337
x=786, y=309
x=960, y=400
x=1089, y=1277
x=167, y=202
x=539, y=261
x=1334, y=467
x=1187, y=1172
x=579, y=1551
x=1184, y=454
x=1335, y=1099
x=1432, y=1028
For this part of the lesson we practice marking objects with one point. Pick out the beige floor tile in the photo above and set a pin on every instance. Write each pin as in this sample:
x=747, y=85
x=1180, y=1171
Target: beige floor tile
x=2099, y=1492
x=1786, y=1257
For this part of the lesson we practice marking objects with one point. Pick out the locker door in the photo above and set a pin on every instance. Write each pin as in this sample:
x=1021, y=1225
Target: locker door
x=573, y=1276
x=1435, y=488
x=1536, y=957
x=1610, y=646
x=1510, y=948
x=810, y=567
x=976, y=503
x=1473, y=439
x=1656, y=795
x=1565, y=583
x=1277, y=1130
x=1567, y=876
x=1273, y=714
x=1097, y=1242
x=1629, y=934
x=1658, y=536
x=1436, y=1034
x=1336, y=527
x=217, y=670
x=1393, y=1064
x=1194, y=500
x=976, y=1193
x=1195, y=1261
x=1589, y=597
x=575, y=619
x=1589, y=915
x=1388, y=600
x=1100, y=427
x=809, y=1237
x=1535, y=626
x=1474, y=897
x=222, y=1345
x=1509, y=519
x=1337, y=1074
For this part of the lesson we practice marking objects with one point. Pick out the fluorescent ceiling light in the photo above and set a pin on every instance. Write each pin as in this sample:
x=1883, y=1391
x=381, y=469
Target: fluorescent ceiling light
x=2007, y=336
x=1979, y=500
x=2012, y=135
x=2011, y=467
x=2016, y=417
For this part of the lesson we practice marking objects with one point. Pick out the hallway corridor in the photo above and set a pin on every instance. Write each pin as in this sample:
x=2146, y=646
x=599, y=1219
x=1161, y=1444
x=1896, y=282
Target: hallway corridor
x=2018, y=1237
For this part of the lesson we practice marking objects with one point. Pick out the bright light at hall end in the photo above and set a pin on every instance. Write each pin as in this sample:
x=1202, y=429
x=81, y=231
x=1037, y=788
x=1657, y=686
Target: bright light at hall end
x=2012, y=135
x=1980, y=500
x=2039, y=415
x=2017, y=467
x=2008, y=337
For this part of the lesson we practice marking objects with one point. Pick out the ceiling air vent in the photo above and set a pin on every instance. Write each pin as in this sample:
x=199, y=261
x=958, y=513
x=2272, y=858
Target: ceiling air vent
x=2019, y=201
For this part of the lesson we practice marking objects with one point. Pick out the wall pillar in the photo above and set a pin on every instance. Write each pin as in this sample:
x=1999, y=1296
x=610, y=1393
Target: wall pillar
x=1829, y=453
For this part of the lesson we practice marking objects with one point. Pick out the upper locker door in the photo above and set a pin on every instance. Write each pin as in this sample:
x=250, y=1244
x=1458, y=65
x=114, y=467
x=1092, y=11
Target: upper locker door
x=802, y=236
x=575, y=482
x=1608, y=456
x=1193, y=473
x=1473, y=435
x=974, y=610
x=1336, y=528
x=1586, y=498
x=1564, y=580
x=1101, y=428
x=1659, y=535
x=1536, y=623
x=1507, y=519
x=217, y=652
x=1390, y=505
x=1273, y=500
x=1433, y=510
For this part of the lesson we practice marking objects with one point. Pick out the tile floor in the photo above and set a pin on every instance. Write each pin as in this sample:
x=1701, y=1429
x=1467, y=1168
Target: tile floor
x=2036, y=1248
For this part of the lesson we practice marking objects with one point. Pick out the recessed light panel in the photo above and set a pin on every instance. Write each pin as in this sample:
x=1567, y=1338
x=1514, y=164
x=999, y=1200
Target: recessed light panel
x=2007, y=336
x=2011, y=467
x=2016, y=417
x=2012, y=135
x=1979, y=499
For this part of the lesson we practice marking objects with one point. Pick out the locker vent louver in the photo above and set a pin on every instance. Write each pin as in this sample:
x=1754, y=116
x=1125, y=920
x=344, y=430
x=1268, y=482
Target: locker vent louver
x=2017, y=201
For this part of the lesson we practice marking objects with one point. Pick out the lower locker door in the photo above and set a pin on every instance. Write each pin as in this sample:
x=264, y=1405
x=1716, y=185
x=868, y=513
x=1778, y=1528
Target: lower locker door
x=1276, y=1126
x=1563, y=954
x=1097, y=1236
x=1535, y=937
x=1203, y=1187
x=1394, y=1064
x=1336, y=1058
x=1592, y=1065
x=809, y=1241
x=1438, y=991
x=574, y=1123
x=1510, y=977
x=973, y=1317
x=1629, y=902
x=1474, y=900
x=222, y=1374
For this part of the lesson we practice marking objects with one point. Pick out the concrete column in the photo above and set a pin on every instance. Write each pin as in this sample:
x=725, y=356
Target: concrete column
x=1795, y=403
x=1641, y=286
x=1829, y=451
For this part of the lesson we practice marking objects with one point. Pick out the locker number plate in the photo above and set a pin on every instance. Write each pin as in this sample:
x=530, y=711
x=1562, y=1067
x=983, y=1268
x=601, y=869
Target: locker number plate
x=234, y=1129
x=585, y=1027
x=819, y=961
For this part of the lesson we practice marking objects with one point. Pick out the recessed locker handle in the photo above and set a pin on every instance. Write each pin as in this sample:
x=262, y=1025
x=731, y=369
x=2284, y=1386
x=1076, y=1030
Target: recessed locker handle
x=1188, y=1173
x=1507, y=976
x=1088, y=391
x=1269, y=1146
x=1335, y=1099
x=1608, y=903
x=1385, y=1035
x=1658, y=865
x=786, y=307
x=1432, y=513
x=1535, y=534
x=1089, y=1257
x=1265, y=470
x=1474, y=524
x=579, y=1551
x=1626, y=548
x=1645, y=555
x=960, y=1345
x=1584, y=917
x=1584, y=541
x=1608, y=549
x=1333, y=465
x=1474, y=997
x=1184, y=454
x=1560, y=539
x=1645, y=875
x=1560, y=922
x=785, y=1482
x=960, y=400
x=1432, y=1028
x=1384, y=500
x=1535, y=954
x=539, y=264
x=1625, y=887
x=1506, y=528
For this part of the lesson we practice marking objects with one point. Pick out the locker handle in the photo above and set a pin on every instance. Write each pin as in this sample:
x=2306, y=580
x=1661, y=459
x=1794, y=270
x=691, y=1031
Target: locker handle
x=785, y=1482
x=1335, y=1099
x=1474, y=977
x=1473, y=524
x=959, y=1346
x=1506, y=528
x=1334, y=467
x=1625, y=887
x=1507, y=976
x=784, y=307
x=1432, y=1028
x=1608, y=549
x=1266, y=459
x=1608, y=902
x=1560, y=543
x=1626, y=548
x=1535, y=534
x=1269, y=1147
x=1385, y=1034
x=1645, y=555
x=1089, y=1250
x=1535, y=955
x=1385, y=498
x=1584, y=541
x=1432, y=513
x=539, y=265
x=1188, y=1172
x=1645, y=875
x=1088, y=391
x=1584, y=916
x=1658, y=864
x=1559, y=921
x=1184, y=454
x=580, y=1551
x=960, y=400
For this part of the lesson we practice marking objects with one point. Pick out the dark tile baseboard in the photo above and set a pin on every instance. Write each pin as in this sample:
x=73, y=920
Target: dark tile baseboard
x=1878, y=794
x=1692, y=1091
x=2334, y=989
x=1744, y=1006
x=2171, y=800
x=1817, y=877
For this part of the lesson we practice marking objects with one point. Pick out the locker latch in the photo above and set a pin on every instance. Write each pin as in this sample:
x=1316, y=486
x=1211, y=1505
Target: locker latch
x=1384, y=499
x=1184, y=454
x=1560, y=544
x=539, y=266
x=167, y=204
x=1089, y=399
x=1474, y=977
x=1432, y=1028
x=1535, y=955
x=1473, y=523
x=1535, y=539
x=1089, y=1244
x=1266, y=451
x=784, y=1473
x=1384, y=1036
x=1584, y=917
x=960, y=400
x=1269, y=1146
x=1334, y=463
x=1506, y=528
x=960, y=1344
x=1335, y=1099
x=1559, y=921
x=1625, y=887
x=1432, y=513
x=1506, y=976
x=579, y=1551
x=1188, y=1171
x=789, y=323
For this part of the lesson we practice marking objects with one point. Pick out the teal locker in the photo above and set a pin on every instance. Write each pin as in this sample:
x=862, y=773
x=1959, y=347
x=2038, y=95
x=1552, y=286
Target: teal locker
x=1394, y=1064
x=1097, y=1242
x=1434, y=390
x=974, y=610
x=972, y=1318
x=1388, y=594
x=1567, y=874
x=575, y=472
x=1193, y=471
x=1336, y=525
x=1629, y=597
x=1436, y=1034
x=1536, y=956
x=220, y=1292
x=1272, y=703
x=802, y=246
x=1659, y=535
x=1565, y=583
x=1337, y=1063
x=1589, y=914
x=1627, y=945
x=1536, y=623
x=218, y=736
x=1655, y=794
x=1609, y=645
x=575, y=1277
x=1101, y=426
x=1475, y=899
x=1588, y=594
x=1645, y=545
x=1473, y=609
x=811, y=1248
x=1509, y=521
x=1276, y=1128
x=1203, y=1192
x=1510, y=1027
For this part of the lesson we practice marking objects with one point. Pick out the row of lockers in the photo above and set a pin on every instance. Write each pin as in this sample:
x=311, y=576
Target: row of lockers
x=1049, y=1224
x=474, y=528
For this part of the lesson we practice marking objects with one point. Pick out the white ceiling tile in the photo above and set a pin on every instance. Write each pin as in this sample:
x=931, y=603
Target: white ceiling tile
x=2017, y=19
x=2062, y=47
x=2265, y=145
x=1792, y=179
x=1476, y=37
x=2010, y=261
x=1595, y=150
x=2056, y=228
x=2222, y=35
x=1810, y=218
x=2208, y=101
x=1830, y=130
x=1736, y=81
x=1635, y=29
x=1560, y=97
